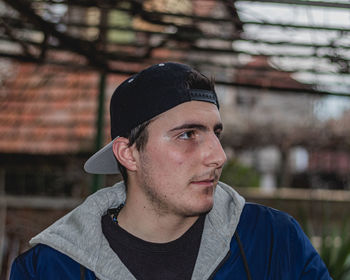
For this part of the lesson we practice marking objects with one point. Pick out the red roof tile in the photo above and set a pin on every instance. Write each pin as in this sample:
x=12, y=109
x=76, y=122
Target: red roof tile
x=50, y=110
x=259, y=72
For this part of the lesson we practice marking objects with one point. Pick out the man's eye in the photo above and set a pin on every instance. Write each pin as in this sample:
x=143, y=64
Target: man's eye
x=187, y=134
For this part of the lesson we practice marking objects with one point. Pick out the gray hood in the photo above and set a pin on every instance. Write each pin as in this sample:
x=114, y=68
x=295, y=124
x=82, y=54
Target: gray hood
x=79, y=233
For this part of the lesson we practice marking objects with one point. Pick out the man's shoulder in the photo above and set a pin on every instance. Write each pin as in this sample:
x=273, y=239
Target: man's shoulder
x=39, y=254
x=265, y=214
x=46, y=253
x=44, y=261
x=275, y=236
x=266, y=220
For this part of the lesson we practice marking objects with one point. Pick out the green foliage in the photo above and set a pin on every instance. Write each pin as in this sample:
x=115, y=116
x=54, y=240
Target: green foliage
x=334, y=249
x=236, y=174
x=335, y=252
x=120, y=19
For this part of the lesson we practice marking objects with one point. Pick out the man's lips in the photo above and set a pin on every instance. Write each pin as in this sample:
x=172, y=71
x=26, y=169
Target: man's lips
x=204, y=182
x=206, y=179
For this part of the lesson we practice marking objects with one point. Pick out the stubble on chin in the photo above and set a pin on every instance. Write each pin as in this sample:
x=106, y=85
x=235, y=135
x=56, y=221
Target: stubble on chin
x=161, y=205
x=157, y=203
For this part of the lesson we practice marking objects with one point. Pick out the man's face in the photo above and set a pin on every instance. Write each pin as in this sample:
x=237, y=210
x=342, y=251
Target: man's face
x=179, y=167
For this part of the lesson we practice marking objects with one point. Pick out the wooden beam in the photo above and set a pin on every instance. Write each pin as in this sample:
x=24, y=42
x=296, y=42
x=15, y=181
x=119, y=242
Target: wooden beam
x=82, y=47
x=56, y=203
x=298, y=26
x=323, y=4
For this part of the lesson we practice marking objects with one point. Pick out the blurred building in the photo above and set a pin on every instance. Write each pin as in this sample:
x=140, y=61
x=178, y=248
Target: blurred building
x=272, y=126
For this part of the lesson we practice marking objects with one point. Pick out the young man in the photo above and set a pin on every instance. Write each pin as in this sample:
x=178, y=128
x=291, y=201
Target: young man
x=170, y=218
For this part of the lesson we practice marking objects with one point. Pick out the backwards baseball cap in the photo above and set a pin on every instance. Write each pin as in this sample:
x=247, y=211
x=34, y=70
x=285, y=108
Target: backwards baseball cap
x=139, y=99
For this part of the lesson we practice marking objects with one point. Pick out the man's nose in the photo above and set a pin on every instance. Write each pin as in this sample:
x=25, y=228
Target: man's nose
x=215, y=155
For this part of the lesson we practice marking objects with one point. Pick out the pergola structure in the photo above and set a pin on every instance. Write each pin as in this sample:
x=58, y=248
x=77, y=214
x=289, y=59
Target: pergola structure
x=122, y=37
x=203, y=33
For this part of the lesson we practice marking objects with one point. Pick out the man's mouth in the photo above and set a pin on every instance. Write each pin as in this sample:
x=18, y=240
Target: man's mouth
x=204, y=182
x=206, y=179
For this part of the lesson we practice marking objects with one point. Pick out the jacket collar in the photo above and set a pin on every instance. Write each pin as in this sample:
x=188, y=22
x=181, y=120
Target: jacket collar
x=79, y=234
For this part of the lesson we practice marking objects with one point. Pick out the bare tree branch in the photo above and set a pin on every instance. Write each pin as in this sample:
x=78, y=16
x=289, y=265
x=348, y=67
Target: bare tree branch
x=78, y=46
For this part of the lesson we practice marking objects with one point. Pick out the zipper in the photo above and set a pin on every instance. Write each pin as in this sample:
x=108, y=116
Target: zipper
x=220, y=265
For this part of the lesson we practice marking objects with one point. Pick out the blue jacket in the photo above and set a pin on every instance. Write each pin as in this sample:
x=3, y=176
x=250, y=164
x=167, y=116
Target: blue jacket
x=273, y=247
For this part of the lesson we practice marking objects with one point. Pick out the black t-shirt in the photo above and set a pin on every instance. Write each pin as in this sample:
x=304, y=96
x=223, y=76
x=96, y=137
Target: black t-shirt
x=147, y=260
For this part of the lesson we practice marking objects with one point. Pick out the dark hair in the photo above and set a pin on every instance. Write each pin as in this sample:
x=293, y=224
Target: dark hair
x=196, y=80
x=139, y=134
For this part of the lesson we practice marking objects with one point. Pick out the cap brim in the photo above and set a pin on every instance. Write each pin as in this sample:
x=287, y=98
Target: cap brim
x=102, y=162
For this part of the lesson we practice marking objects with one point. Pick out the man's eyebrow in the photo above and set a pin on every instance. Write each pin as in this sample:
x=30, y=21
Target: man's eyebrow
x=217, y=126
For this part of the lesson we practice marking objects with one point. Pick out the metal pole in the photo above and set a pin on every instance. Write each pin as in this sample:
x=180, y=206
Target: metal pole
x=3, y=210
x=98, y=180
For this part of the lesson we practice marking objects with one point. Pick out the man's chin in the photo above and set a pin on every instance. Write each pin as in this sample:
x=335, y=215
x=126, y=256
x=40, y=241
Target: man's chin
x=200, y=210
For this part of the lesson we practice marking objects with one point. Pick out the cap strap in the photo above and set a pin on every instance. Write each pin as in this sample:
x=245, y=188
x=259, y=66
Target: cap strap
x=204, y=95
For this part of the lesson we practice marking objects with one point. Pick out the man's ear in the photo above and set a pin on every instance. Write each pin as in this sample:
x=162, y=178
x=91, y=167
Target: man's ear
x=124, y=153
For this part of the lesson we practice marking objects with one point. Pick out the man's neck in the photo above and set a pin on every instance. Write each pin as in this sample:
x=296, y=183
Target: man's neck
x=145, y=222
